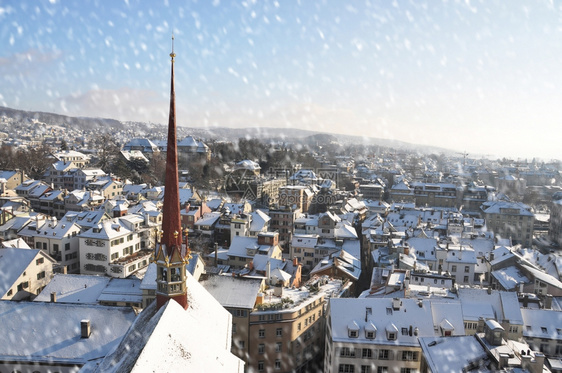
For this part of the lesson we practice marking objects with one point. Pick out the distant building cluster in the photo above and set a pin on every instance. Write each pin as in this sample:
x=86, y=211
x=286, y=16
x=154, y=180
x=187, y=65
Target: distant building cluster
x=370, y=262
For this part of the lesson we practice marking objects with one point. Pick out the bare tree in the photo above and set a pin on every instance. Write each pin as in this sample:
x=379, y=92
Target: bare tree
x=107, y=151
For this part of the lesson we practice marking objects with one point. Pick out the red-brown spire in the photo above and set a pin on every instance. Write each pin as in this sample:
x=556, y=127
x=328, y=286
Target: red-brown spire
x=171, y=224
x=171, y=256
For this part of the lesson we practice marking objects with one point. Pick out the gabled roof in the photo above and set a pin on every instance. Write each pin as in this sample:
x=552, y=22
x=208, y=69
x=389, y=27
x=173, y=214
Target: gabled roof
x=164, y=340
x=13, y=262
x=259, y=220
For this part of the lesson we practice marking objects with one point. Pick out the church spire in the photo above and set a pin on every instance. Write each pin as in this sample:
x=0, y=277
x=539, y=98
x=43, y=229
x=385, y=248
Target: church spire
x=171, y=255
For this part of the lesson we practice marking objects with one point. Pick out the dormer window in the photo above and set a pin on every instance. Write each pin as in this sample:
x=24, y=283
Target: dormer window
x=353, y=329
x=370, y=330
x=391, y=332
x=446, y=328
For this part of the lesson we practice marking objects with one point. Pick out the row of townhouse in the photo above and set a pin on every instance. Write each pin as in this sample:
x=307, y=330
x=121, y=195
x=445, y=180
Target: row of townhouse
x=92, y=242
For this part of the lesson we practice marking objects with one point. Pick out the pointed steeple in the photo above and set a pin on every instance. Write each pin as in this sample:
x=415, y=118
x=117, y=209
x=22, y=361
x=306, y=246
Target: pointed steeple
x=171, y=255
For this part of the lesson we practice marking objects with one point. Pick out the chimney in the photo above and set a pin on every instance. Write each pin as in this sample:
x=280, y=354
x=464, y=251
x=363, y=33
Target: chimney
x=216, y=254
x=85, y=330
x=503, y=360
x=53, y=297
x=547, y=302
x=489, y=290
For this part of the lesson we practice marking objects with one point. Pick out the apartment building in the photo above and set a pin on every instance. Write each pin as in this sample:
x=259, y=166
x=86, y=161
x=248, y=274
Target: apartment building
x=111, y=248
x=59, y=238
x=287, y=327
x=512, y=220
x=381, y=334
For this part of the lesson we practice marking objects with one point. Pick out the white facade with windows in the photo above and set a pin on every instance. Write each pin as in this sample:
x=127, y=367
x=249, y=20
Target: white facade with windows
x=59, y=238
x=112, y=249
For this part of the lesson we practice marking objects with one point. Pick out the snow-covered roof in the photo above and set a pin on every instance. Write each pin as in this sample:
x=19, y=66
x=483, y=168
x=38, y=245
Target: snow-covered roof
x=452, y=354
x=498, y=305
x=50, y=332
x=107, y=230
x=259, y=220
x=125, y=290
x=233, y=292
x=17, y=243
x=542, y=323
x=13, y=262
x=83, y=289
x=382, y=312
x=304, y=240
x=247, y=165
x=172, y=339
x=509, y=277
x=544, y=277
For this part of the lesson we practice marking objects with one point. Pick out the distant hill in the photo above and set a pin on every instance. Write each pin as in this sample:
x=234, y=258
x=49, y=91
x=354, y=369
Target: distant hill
x=62, y=120
x=150, y=130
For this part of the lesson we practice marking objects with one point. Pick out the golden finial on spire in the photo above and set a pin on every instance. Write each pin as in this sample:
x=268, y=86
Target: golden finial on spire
x=172, y=54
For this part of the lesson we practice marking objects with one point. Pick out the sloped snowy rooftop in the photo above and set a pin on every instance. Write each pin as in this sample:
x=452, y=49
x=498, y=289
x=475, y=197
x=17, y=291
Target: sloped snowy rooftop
x=51, y=331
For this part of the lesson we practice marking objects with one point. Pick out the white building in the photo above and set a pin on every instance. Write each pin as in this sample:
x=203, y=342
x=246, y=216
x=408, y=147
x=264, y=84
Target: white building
x=113, y=249
x=25, y=272
x=381, y=334
x=59, y=238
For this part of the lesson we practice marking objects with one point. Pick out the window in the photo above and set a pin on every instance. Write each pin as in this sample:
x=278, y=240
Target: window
x=404, y=331
x=299, y=327
x=233, y=328
x=465, y=279
x=384, y=354
x=347, y=352
x=261, y=348
x=367, y=353
x=406, y=370
x=278, y=332
x=241, y=344
x=410, y=355
x=41, y=275
x=10, y=292
x=66, y=246
x=454, y=268
x=277, y=364
x=365, y=369
x=513, y=329
x=260, y=366
x=278, y=347
x=370, y=335
x=466, y=269
x=353, y=334
x=391, y=336
x=261, y=333
x=543, y=329
x=382, y=369
x=346, y=368
x=39, y=261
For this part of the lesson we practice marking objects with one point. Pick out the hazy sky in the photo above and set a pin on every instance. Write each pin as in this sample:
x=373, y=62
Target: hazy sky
x=477, y=76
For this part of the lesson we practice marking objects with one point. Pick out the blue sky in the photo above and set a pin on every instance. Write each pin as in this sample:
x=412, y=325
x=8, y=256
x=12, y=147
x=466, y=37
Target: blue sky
x=476, y=76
